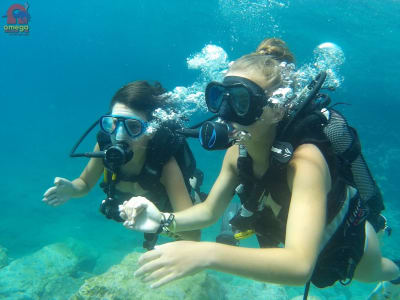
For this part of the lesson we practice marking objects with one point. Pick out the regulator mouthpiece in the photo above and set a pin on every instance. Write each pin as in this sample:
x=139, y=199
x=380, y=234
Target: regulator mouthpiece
x=215, y=135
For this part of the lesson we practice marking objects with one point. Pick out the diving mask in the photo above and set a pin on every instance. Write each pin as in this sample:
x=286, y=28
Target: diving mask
x=236, y=99
x=135, y=127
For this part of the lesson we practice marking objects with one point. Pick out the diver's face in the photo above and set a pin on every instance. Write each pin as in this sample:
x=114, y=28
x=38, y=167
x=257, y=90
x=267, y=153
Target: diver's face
x=258, y=128
x=120, y=134
x=250, y=76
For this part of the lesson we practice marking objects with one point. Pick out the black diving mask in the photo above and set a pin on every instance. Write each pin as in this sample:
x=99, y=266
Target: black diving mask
x=236, y=99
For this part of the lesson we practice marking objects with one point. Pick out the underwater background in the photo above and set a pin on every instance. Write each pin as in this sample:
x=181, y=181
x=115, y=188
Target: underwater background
x=56, y=81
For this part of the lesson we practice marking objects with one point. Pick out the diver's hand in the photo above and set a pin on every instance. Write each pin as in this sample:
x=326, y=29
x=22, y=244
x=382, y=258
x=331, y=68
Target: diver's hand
x=60, y=193
x=140, y=214
x=172, y=261
x=385, y=290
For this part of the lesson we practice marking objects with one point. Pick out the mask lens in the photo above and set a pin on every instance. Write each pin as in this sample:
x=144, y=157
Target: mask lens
x=240, y=100
x=214, y=96
x=108, y=124
x=134, y=127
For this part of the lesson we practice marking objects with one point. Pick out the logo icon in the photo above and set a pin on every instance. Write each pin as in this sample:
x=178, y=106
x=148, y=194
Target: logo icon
x=18, y=18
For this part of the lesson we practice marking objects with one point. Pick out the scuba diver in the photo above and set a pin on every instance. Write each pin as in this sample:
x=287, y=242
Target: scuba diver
x=293, y=164
x=134, y=161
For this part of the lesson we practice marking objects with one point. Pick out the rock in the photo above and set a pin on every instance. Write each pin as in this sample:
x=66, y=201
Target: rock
x=3, y=257
x=118, y=283
x=249, y=289
x=54, y=272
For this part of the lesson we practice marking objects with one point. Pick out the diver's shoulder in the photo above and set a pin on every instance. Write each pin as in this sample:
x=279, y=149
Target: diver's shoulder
x=307, y=153
x=231, y=157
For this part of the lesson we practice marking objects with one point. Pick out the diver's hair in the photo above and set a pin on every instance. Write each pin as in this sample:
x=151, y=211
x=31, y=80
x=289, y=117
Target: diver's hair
x=265, y=61
x=276, y=48
x=140, y=95
x=263, y=65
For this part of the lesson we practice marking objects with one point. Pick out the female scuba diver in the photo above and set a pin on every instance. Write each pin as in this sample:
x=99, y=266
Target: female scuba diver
x=307, y=220
x=135, y=162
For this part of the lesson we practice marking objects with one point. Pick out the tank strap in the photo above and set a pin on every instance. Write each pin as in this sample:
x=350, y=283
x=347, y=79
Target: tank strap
x=354, y=150
x=306, y=290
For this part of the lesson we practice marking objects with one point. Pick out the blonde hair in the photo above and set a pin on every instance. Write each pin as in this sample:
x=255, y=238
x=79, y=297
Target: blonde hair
x=261, y=66
x=277, y=49
x=265, y=65
x=265, y=62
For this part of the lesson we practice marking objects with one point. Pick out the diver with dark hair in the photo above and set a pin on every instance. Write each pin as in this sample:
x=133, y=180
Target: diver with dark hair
x=299, y=192
x=134, y=159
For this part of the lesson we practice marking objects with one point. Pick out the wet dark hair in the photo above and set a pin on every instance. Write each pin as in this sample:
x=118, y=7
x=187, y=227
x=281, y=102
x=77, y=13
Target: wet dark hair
x=142, y=96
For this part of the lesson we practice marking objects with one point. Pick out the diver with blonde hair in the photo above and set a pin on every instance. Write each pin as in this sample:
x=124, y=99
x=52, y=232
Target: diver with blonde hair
x=298, y=195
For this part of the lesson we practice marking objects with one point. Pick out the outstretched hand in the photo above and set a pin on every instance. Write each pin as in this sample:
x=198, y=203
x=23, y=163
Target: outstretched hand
x=172, y=261
x=140, y=214
x=60, y=193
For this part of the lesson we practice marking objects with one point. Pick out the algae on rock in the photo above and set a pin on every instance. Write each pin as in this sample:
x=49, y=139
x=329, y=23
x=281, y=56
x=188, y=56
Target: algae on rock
x=118, y=283
x=53, y=272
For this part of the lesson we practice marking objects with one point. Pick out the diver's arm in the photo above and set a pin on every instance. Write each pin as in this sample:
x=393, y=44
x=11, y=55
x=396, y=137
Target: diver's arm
x=140, y=214
x=64, y=189
x=178, y=194
x=89, y=176
x=208, y=212
x=309, y=180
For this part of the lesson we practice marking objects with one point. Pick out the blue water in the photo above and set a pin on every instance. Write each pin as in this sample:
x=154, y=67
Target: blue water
x=57, y=80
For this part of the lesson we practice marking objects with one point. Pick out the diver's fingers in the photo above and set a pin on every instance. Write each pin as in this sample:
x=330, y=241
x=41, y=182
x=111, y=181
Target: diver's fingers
x=126, y=225
x=149, y=256
x=58, y=180
x=53, y=202
x=164, y=280
x=135, y=201
x=137, y=211
x=133, y=207
x=50, y=191
x=129, y=225
x=149, y=267
x=156, y=275
x=50, y=198
x=125, y=212
x=122, y=211
x=122, y=214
